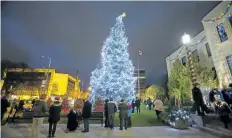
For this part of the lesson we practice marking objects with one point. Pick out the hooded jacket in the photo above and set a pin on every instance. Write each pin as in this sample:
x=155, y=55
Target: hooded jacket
x=39, y=108
x=54, y=112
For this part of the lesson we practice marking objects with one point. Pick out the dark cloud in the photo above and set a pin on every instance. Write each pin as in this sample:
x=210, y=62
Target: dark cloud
x=72, y=33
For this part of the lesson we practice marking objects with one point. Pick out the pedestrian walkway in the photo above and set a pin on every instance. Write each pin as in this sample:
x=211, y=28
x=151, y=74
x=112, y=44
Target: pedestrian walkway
x=96, y=131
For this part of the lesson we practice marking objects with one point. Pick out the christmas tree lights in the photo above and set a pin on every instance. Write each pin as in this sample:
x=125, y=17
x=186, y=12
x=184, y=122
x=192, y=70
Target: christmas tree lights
x=114, y=76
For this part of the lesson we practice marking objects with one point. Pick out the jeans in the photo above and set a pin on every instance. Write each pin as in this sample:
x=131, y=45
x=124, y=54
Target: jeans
x=123, y=121
x=36, y=125
x=86, y=124
x=52, y=128
x=106, y=121
x=111, y=120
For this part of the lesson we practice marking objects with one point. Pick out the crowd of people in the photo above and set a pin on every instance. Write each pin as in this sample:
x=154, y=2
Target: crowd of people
x=220, y=102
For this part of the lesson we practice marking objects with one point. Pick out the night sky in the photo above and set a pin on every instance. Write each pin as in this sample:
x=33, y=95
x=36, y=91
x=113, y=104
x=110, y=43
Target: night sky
x=72, y=33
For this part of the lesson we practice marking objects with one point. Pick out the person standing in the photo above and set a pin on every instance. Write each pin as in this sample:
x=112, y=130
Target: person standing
x=106, y=114
x=54, y=116
x=129, y=114
x=138, y=103
x=86, y=114
x=198, y=99
x=158, y=107
x=39, y=110
x=123, y=114
x=112, y=109
x=133, y=105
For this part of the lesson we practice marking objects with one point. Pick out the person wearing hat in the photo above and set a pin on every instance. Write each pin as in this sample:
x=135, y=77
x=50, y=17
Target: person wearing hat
x=39, y=109
x=54, y=116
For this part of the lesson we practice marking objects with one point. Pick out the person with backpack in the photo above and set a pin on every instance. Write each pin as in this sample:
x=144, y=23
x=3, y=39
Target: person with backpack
x=54, y=116
x=39, y=110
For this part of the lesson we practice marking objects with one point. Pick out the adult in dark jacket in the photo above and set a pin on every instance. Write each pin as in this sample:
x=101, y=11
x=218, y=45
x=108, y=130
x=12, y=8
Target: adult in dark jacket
x=54, y=116
x=133, y=105
x=137, y=104
x=4, y=105
x=198, y=99
x=72, y=121
x=106, y=113
x=111, y=111
x=123, y=114
x=86, y=114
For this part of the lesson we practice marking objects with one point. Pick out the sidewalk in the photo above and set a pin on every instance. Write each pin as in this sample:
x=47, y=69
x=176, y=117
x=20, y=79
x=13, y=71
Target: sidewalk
x=96, y=131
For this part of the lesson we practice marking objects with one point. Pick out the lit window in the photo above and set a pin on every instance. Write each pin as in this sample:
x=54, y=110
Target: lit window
x=222, y=32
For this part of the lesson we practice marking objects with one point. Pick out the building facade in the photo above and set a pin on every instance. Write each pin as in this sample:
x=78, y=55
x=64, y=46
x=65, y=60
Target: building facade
x=140, y=87
x=30, y=83
x=212, y=46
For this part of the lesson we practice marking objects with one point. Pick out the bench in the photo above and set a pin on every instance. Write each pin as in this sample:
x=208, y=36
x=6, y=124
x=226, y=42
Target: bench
x=97, y=116
x=27, y=117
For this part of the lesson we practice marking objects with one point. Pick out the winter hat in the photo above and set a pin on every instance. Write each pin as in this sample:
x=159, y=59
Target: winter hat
x=57, y=98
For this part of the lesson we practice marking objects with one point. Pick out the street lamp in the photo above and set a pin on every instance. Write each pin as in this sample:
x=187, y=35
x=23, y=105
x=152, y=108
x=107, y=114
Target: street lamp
x=186, y=39
x=49, y=66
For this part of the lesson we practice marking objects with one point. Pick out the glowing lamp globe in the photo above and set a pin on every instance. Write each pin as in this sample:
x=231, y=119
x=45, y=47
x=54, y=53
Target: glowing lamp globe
x=186, y=39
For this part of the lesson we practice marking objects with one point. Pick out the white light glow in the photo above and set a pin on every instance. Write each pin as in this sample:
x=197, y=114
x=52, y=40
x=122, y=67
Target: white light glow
x=114, y=75
x=186, y=39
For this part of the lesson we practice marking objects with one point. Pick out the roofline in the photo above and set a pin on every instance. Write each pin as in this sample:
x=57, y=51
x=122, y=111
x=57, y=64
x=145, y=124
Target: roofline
x=202, y=29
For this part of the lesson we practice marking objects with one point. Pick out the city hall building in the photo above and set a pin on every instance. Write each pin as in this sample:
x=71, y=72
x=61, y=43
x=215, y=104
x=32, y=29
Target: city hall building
x=213, y=45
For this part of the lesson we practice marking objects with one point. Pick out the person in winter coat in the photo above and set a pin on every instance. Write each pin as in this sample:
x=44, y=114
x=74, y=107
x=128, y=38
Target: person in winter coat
x=133, y=105
x=111, y=111
x=86, y=114
x=106, y=114
x=224, y=111
x=72, y=121
x=137, y=104
x=129, y=114
x=54, y=116
x=158, y=107
x=39, y=110
x=198, y=99
x=123, y=114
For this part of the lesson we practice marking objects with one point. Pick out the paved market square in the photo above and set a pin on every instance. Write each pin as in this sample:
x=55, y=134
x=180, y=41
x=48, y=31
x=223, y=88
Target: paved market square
x=96, y=131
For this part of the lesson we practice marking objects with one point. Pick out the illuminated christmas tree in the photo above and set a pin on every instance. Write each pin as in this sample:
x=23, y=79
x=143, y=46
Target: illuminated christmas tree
x=114, y=76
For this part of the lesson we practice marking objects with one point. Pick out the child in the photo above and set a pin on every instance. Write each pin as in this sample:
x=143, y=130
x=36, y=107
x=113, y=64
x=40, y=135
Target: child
x=129, y=114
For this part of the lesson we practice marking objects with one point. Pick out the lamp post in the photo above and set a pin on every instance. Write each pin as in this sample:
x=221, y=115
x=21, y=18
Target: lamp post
x=139, y=54
x=49, y=66
x=186, y=40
